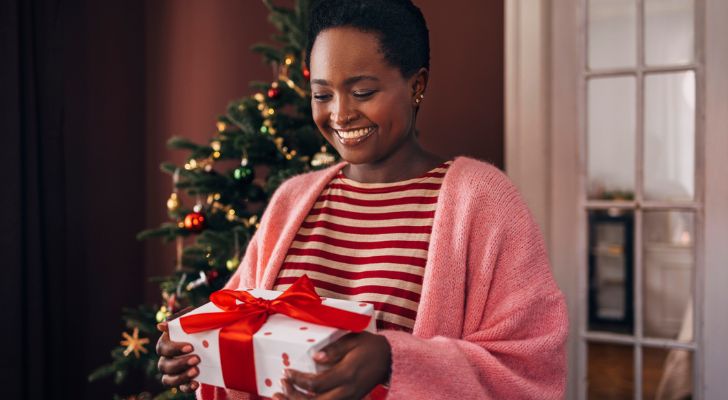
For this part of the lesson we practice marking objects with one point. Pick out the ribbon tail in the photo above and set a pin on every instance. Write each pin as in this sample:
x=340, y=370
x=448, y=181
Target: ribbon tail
x=237, y=355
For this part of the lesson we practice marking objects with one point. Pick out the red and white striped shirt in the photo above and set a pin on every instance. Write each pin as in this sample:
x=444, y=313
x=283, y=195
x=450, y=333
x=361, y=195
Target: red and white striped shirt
x=368, y=242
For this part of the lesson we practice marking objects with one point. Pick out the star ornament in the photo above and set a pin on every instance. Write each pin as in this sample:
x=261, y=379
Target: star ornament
x=134, y=343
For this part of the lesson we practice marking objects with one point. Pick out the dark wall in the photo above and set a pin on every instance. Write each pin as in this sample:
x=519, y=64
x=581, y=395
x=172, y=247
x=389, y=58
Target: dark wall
x=72, y=123
x=462, y=112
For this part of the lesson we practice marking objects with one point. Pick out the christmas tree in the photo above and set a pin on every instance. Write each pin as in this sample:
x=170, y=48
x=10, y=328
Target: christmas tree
x=260, y=141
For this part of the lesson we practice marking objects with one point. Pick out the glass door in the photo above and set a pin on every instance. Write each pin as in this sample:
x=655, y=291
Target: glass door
x=642, y=196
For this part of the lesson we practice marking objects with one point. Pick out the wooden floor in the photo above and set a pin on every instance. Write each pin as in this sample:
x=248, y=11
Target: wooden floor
x=611, y=371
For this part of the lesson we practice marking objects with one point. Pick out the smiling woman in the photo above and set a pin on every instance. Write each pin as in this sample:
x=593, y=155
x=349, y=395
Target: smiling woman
x=445, y=250
x=365, y=107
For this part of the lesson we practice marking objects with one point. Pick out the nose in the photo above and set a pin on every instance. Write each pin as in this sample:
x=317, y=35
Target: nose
x=342, y=112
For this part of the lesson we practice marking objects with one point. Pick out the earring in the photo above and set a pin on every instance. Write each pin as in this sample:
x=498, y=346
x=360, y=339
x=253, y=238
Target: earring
x=419, y=98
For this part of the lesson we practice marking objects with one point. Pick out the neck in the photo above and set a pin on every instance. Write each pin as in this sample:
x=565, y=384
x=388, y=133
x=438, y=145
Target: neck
x=409, y=161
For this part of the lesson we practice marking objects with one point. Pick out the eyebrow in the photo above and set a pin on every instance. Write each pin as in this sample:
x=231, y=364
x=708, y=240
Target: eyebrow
x=348, y=81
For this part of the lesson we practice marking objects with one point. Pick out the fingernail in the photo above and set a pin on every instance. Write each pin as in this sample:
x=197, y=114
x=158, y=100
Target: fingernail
x=187, y=349
x=192, y=372
x=319, y=356
x=286, y=373
x=194, y=385
x=193, y=361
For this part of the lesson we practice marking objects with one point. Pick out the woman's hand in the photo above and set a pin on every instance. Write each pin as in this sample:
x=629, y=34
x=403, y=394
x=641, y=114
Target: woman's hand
x=359, y=362
x=178, y=368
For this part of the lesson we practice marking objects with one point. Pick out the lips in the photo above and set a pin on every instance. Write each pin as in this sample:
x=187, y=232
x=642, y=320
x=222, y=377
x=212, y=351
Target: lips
x=352, y=137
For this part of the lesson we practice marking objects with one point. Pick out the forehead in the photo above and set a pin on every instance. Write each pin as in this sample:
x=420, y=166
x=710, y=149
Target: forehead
x=346, y=50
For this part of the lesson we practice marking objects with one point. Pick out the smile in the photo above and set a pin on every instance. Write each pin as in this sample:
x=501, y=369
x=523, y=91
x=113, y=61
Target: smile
x=354, y=136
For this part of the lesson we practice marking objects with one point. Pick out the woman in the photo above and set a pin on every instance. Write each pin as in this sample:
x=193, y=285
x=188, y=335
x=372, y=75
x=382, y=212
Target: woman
x=446, y=250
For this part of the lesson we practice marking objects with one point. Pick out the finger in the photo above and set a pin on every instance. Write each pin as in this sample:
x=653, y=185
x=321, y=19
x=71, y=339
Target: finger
x=181, y=379
x=189, y=387
x=162, y=327
x=321, y=382
x=177, y=365
x=334, y=352
x=168, y=348
x=291, y=392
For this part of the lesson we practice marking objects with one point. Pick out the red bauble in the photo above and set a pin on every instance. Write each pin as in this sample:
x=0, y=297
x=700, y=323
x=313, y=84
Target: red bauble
x=195, y=222
x=306, y=73
x=212, y=275
x=274, y=92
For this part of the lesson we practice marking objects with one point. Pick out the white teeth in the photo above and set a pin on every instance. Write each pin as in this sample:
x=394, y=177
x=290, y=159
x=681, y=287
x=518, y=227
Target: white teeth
x=354, y=134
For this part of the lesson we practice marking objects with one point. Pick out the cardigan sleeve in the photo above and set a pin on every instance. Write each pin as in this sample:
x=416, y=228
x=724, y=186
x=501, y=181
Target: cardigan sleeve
x=513, y=343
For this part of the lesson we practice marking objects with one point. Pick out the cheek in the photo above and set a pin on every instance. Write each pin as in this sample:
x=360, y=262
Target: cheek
x=320, y=115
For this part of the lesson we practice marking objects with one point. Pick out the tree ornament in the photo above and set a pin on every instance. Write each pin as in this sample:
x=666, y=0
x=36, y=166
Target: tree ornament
x=233, y=263
x=274, y=91
x=195, y=221
x=173, y=202
x=244, y=174
x=306, y=73
x=163, y=314
x=171, y=301
x=211, y=275
x=201, y=280
x=134, y=343
x=322, y=158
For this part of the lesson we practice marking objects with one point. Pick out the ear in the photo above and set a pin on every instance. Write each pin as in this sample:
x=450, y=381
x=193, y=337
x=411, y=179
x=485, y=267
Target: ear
x=418, y=83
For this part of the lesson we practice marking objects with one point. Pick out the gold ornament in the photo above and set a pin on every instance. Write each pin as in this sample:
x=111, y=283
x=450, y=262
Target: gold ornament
x=134, y=343
x=232, y=264
x=322, y=158
x=163, y=314
x=221, y=126
x=173, y=202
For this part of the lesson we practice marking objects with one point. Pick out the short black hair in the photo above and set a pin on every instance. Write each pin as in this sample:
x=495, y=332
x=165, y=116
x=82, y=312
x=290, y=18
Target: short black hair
x=403, y=35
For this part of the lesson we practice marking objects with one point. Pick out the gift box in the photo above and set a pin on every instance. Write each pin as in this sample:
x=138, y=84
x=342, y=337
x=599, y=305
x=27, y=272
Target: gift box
x=246, y=338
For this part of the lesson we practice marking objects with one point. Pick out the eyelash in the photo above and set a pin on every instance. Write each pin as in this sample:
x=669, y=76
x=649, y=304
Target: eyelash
x=359, y=95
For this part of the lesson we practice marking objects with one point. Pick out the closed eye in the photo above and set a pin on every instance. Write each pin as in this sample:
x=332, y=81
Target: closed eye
x=362, y=94
x=321, y=97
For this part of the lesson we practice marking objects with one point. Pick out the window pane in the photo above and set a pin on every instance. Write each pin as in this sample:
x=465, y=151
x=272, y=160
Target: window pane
x=611, y=137
x=612, y=33
x=669, y=261
x=669, y=32
x=610, y=271
x=667, y=374
x=611, y=371
x=669, y=148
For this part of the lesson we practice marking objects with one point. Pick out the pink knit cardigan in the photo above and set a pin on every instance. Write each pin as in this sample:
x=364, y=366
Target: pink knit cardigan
x=491, y=322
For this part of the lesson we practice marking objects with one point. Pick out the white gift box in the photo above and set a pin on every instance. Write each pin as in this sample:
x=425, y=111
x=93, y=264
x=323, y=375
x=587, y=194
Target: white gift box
x=282, y=342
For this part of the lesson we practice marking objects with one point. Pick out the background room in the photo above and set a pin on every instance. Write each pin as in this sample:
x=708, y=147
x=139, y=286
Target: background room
x=609, y=116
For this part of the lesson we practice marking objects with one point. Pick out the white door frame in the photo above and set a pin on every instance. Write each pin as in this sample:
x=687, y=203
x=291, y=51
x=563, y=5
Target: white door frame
x=544, y=52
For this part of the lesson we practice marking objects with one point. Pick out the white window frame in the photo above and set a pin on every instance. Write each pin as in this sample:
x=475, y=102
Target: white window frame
x=545, y=56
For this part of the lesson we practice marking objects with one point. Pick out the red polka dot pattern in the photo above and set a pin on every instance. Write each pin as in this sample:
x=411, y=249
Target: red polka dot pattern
x=205, y=344
x=268, y=383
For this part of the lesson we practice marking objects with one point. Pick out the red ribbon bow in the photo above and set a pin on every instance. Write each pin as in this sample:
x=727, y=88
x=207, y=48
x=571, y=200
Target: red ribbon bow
x=238, y=321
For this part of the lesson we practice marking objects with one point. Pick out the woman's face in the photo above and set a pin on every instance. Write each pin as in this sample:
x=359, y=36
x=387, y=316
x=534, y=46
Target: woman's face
x=361, y=104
